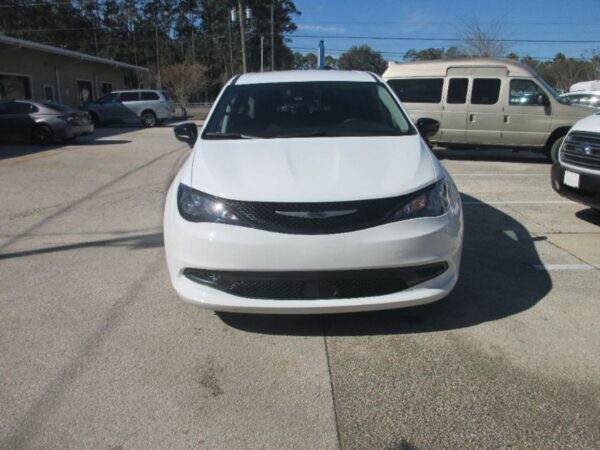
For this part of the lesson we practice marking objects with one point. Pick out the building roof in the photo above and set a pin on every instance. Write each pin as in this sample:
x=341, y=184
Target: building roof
x=439, y=67
x=68, y=53
x=292, y=76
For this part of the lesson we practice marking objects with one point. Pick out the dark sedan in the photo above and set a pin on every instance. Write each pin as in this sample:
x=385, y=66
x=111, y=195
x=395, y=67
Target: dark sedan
x=42, y=123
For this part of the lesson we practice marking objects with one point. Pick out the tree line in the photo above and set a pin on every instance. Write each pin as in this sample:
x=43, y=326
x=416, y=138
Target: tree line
x=198, y=40
x=160, y=33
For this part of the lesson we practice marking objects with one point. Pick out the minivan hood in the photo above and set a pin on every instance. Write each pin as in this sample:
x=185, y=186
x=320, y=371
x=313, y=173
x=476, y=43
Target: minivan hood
x=312, y=169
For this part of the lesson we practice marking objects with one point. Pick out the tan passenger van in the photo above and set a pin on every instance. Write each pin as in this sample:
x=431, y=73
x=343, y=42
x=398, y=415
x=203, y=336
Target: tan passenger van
x=485, y=102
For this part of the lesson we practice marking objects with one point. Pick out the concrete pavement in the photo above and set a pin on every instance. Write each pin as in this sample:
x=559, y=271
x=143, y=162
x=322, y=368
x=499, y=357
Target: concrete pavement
x=97, y=351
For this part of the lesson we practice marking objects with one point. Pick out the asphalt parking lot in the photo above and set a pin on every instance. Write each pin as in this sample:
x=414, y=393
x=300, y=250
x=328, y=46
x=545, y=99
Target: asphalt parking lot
x=97, y=351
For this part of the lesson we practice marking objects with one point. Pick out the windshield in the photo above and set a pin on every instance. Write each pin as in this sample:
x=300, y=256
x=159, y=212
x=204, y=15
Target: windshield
x=306, y=109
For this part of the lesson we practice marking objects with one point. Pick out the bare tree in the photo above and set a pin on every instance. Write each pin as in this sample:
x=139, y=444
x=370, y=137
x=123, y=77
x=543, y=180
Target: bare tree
x=184, y=80
x=484, y=41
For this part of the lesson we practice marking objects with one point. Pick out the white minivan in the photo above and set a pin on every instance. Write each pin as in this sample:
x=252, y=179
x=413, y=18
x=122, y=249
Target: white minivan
x=311, y=192
x=146, y=106
x=485, y=102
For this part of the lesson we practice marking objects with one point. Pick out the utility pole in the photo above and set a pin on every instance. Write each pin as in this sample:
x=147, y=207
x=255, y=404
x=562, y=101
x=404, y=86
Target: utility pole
x=243, y=36
x=230, y=46
x=262, y=53
x=272, y=39
x=158, y=82
x=193, y=49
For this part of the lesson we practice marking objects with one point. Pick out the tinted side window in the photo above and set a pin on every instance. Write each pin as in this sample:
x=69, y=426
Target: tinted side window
x=150, y=96
x=485, y=91
x=129, y=96
x=418, y=90
x=21, y=108
x=524, y=92
x=457, y=90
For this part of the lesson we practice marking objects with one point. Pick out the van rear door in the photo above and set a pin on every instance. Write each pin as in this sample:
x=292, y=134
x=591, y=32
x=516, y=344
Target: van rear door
x=485, y=116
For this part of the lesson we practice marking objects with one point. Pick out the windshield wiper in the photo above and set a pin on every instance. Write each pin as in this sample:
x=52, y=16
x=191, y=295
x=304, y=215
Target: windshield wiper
x=218, y=135
x=306, y=134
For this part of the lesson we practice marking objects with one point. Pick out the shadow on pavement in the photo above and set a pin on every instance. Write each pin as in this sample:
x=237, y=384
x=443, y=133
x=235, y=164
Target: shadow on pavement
x=133, y=242
x=589, y=215
x=498, y=279
x=491, y=154
x=16, y=149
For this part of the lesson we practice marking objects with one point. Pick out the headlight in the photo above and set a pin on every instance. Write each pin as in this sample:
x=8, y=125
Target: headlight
x=197, y=207
x=432, y=202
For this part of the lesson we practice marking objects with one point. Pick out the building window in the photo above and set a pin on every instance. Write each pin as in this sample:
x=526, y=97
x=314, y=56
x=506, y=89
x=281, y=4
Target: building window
x=48, y=93
x=106, y=88
x=84, y=91
x=418, y=90
x=15, y=87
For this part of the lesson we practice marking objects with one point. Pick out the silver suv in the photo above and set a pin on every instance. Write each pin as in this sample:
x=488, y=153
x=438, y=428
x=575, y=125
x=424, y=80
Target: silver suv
x=150, y=106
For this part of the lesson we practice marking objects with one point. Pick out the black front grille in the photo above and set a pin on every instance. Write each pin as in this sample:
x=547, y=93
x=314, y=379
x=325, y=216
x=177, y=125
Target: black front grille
x=316, y=218
x=582, y=150
x=316, y=285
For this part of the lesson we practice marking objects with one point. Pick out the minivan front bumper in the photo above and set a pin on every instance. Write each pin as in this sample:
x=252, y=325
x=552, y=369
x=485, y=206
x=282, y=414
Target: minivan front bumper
x=199, y=254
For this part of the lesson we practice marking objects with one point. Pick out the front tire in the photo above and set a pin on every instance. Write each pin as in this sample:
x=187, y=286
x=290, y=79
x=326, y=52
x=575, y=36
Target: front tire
x=149, y=119
x=95, y=118
x=42, y=135
x=554, y=149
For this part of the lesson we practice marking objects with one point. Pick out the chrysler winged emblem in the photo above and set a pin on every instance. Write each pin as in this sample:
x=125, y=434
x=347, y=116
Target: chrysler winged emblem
x=317, y=214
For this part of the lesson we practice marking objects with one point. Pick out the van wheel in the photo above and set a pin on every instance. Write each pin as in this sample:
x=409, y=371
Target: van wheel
x=553, y=154
x=149, y=119
x=42, y=135
x=95, y=118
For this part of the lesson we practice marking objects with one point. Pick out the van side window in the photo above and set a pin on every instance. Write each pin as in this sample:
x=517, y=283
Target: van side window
x=418, y=90
x=150, y=95
x=457, y=90
x=524, y=92
x=485, y=91
x=129, y=96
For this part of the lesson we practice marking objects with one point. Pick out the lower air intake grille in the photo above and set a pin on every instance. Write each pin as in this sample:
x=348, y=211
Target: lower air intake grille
x=316, y=285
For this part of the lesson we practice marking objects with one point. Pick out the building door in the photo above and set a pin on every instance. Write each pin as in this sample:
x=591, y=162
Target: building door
x=84, y=92
x=48, y=93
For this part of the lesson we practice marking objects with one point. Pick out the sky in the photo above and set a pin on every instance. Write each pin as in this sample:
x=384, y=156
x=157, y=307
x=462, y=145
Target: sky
x=344, y=23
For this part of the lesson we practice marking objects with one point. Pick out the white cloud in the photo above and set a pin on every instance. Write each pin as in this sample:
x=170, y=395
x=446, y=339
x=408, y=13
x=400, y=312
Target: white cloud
x=329, y=29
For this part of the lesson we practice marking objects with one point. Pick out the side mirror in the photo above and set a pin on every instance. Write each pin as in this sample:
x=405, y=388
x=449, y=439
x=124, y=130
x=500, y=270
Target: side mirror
x=543, y=100
x=427, y=127
x=187, y=132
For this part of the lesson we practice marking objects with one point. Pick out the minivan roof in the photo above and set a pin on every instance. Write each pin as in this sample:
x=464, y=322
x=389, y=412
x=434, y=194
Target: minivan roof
x=292, y=76
x=439, y=67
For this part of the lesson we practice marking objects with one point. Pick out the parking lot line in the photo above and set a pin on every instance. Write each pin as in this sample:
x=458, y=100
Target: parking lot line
x=554, y=267
x=518, y=202
x=495, y=175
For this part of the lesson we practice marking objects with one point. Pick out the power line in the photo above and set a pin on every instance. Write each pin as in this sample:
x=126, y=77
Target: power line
x=425, y=22
x=35, y=4
x=338, y=50
x=407, y=38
